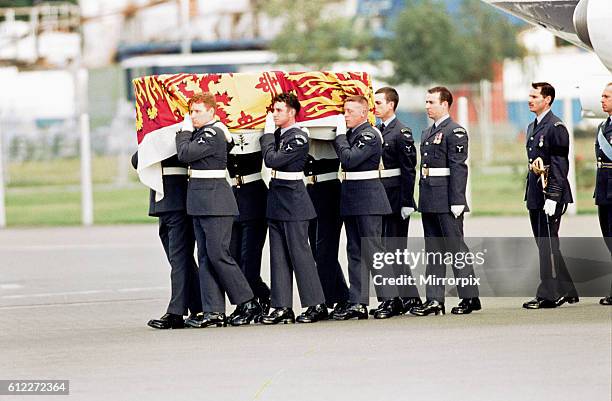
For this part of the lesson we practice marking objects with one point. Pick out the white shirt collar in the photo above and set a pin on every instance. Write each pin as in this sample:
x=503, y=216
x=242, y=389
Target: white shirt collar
x=441, y=120
x=541, y=116
x=387, y=122
x=283, y=130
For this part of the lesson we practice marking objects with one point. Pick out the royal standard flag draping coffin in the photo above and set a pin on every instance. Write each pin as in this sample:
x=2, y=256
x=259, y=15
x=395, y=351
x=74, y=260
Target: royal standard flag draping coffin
x=243, y=99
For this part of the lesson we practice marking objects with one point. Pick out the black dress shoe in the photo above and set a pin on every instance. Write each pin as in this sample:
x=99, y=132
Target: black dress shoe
x=247, y=312
x=467, y=305
x=540, y=303
x=207, y=319
x=265, y=308
x=569, y=300
x=606, y=301
x=409, y=303
x=428, y=308
x=168, y=321
x=314, y=314
x=373, y=310
x=359, y=311
x=279, y=315
x=390, y=308
x=339, y=308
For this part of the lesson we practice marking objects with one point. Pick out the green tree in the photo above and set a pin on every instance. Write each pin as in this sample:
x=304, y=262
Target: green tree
x=314, y=36
x=431, y=44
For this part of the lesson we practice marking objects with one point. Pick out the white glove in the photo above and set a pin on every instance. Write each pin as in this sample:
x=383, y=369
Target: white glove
x=457, y=210
x=187, y=125
x=406, y=212
x=340, y=125
x=226, y=132
x=270, y=126
x=550, y=206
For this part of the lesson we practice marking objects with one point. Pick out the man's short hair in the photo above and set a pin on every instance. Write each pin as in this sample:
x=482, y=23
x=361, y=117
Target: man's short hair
x=546, y=90
x=362, y=100
x=207, y=98
x=289, y=99
x=390, y=95
x=609, y=84
x=445, y=94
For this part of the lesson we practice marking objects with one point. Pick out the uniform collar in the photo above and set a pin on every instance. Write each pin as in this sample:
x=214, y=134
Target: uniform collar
x=438, y=122
x=541, y=116
x=360, y=126
x=389, y=121
x=283, y=130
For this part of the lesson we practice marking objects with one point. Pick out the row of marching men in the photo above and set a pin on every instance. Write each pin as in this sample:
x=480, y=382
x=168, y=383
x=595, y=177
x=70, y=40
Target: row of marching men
x=374, y=201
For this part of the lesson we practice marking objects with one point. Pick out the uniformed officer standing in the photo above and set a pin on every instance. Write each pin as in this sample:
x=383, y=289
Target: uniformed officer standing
x=250, y=226
x=547, y=195
x=442, y=202
x=211, y=203
x=176, y=235
x=397, y=173
x=603, y=189
x=323, y=186
x=289, y=209
x=363, y=203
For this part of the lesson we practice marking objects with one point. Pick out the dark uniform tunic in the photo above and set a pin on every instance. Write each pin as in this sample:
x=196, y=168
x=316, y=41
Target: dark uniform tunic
x=398, y=153
x=363, y=203
x=444, y=146
x=549, y=140
x=289, y=209
x=250, y=227
x=177, y=237
x=324, y=230
x=603, y=186
x=211, y=203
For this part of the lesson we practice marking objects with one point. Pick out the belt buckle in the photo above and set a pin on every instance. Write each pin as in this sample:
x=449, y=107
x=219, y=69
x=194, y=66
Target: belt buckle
x=239, y=181
x=273, y=173
x=599, y=164
x=311, y=179
x=425, y=171
x=189, y=171
x=343, y=175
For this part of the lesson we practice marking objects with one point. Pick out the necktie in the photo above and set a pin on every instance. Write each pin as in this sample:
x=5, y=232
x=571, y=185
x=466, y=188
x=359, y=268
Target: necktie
x=535, y=124
x=607, y=123
x=382, y=127
x=433, y=127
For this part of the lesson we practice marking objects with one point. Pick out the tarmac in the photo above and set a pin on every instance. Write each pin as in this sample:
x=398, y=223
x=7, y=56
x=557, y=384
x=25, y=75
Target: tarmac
x=74, y=304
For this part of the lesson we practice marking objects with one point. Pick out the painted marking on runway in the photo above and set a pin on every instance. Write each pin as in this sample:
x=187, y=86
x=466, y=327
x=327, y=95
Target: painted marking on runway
x=10, y=286
x=64, y=247
x=86, y=292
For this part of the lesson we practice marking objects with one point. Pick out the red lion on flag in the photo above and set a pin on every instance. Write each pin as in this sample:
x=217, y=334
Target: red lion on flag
x=243, y=100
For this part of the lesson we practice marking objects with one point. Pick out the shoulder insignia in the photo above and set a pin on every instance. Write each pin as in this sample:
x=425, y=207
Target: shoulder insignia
x=367, y=136
x=559, y=123
x=201, y=141
x=360, y=144
x=301, y=139
x=406, y=130
x=459, y=135
x=460, y=130
x=209, y=132
x=459, y=148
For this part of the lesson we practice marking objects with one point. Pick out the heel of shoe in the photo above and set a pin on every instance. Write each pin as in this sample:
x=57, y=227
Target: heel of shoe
x=441, y=311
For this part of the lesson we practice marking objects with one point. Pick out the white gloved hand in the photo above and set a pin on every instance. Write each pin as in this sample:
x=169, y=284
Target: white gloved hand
x=226, y=132
x=406, y=212
x=187, y=125
x=457, y=210
x=550, y=206
x=270, y=126
x=340, y=125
